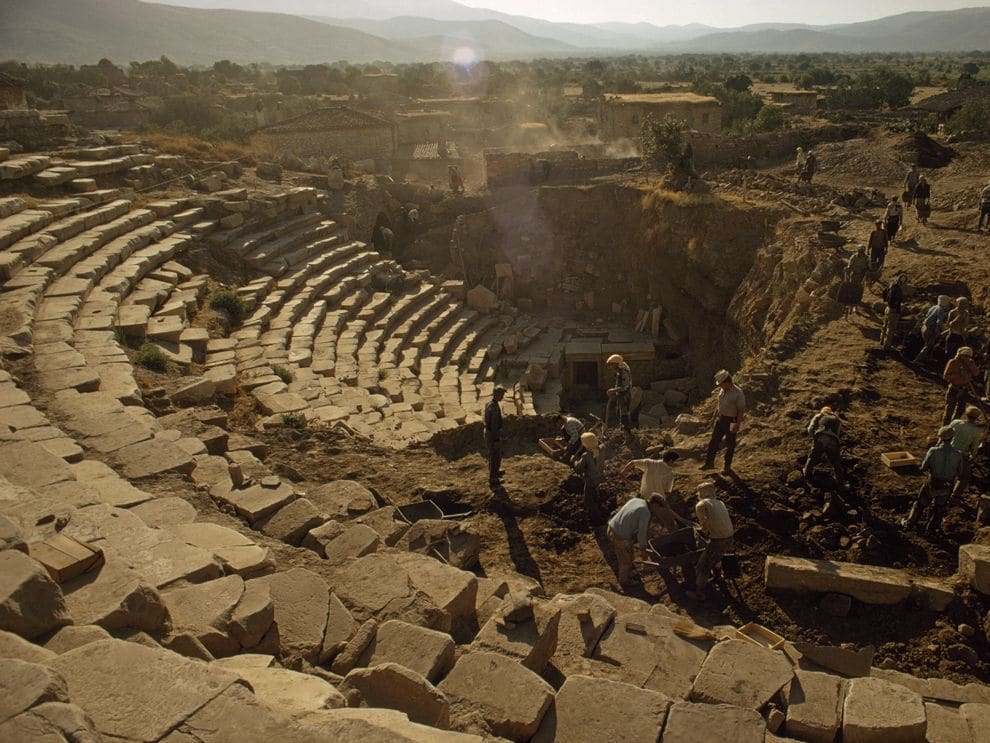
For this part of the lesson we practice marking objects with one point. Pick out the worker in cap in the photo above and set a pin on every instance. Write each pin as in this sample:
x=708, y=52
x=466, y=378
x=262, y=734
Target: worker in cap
x=621, y=390
x=730, y=409
x=961, y=374
x=714, y=531
x=957, y=324
x=588, y=463
x=493, y=437
x=824, y=429
x=968, y=432
x=932, y=326
x=571, y=429
x=944, y=467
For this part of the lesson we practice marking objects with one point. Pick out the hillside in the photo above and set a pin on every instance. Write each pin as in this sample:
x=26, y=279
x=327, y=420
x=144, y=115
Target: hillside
x=83, y=31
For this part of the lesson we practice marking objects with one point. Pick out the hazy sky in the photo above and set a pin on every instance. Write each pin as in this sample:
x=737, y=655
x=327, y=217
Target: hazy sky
x=716, y=12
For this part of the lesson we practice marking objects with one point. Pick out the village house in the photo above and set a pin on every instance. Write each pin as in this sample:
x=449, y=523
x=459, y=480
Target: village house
x=423, y=126
x=339, y=131
x=795, y=102
x=945, y=105
x=11, y=92
x=622, y=116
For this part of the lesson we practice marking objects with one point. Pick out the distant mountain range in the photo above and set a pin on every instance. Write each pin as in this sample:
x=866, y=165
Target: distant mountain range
x=314, y=31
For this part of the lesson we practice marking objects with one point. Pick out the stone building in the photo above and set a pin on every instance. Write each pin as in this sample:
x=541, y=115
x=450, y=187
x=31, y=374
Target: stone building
x=11, y=92
x=796, y=102
x=622, y=116
x=423, y=126
x=107, y=108
x=340, y=131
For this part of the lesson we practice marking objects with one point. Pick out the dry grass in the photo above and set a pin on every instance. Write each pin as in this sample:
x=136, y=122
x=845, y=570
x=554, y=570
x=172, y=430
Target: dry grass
x=198, y=149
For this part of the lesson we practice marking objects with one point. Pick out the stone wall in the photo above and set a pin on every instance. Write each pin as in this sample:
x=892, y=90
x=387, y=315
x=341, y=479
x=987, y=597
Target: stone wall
x=366, y=143
x=12, y=97
x=713, y=149
x=506, y=168
x=34, y=130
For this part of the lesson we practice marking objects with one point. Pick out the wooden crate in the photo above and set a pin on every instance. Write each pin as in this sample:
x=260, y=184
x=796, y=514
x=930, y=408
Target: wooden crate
x=895, y=459
x=64, y=557
x=553, y=447
x=760, y=635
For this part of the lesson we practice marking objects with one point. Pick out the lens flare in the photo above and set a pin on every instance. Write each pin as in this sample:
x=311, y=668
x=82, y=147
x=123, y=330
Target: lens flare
x=464, y=56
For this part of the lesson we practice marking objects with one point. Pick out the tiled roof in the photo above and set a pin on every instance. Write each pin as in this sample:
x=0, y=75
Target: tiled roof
x=338, y=117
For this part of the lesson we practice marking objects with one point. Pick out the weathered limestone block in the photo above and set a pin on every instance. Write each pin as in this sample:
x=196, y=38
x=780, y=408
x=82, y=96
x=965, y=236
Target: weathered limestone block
x=351, y=653
x=31, y=603
x=393, y=686
x=251, y=619
x=427, y=652
x=15, y=646
x=814, y=706
x=584, y=618
x=649, y=653
x=529, y=636
x=974, y=566
x=162, y=512
x=338, y=542
x=24, y=685
x=867, y=583
x=705, y=723
x=978, y=717
x=114, y=596
x=293, y=522
x=198, y=392
x=289, y=692
x=452, y=590
x=378, y=586
x=302, y=600
x=378, y=725
x=161, y=688
x=75, y=636
x=342, y=499
x=590, y=710
x=237, y=553
x=340, y=629
x=238, y=715
x=509, y=698
x=878, y=711
x=54, y=721
x=741, y=673
x=945, y=725
x=256, y=502
x=205, y=611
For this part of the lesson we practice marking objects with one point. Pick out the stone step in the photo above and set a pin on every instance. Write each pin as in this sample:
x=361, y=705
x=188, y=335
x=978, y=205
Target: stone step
x=867, y=583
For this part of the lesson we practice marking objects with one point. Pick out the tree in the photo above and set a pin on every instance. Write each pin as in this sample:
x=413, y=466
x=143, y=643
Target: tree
x=739, y=83
x=973, y=116
x=770, y=118
x=663, y=141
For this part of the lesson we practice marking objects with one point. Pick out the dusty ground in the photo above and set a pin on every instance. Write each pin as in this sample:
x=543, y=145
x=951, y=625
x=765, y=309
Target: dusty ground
x=537, y=526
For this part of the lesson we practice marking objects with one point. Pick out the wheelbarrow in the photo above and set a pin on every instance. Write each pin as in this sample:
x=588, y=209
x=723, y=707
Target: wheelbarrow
x=679, y=549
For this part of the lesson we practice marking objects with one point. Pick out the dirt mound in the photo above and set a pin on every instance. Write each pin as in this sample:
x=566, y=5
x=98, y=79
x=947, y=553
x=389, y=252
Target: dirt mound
x=923, y=151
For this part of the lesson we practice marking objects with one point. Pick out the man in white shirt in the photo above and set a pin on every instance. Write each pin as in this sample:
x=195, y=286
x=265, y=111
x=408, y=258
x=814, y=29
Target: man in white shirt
x=658, y=475
x=716, y=530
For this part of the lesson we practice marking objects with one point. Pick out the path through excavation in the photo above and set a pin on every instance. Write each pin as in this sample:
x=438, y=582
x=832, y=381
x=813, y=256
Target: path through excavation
x=246, y=477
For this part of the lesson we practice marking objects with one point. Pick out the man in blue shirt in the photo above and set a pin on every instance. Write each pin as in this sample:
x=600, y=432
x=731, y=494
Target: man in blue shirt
x=931, y=326
x=629, y=528
x=944, y=467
